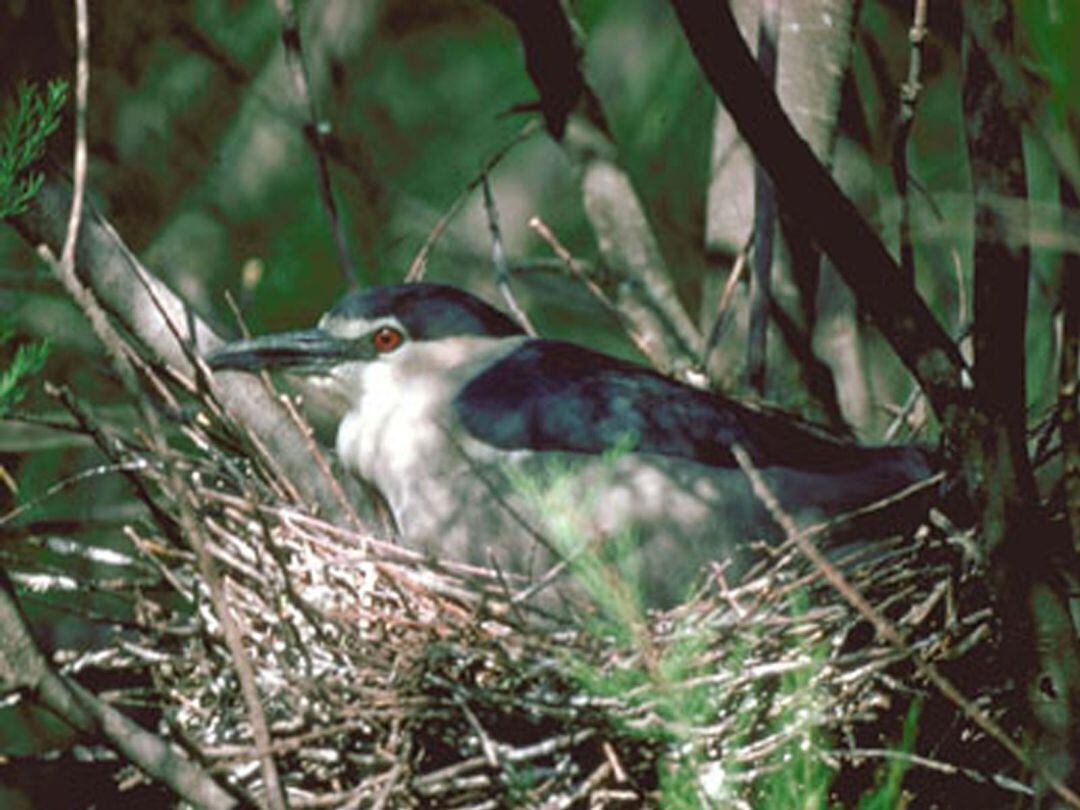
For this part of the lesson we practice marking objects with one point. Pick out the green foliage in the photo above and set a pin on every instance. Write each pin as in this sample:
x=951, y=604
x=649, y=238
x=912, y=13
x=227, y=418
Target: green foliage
x=29, y=359
x=801, y=777
x=673, y=683
x=1050, y=31
x=23, y=133
x=887, y=794
x=555, y=491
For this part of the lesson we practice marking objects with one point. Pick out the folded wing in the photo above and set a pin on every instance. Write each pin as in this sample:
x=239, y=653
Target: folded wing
x=556, y=396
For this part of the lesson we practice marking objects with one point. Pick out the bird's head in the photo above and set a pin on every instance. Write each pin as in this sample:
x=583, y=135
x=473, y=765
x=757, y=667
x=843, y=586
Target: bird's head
x=376, y=337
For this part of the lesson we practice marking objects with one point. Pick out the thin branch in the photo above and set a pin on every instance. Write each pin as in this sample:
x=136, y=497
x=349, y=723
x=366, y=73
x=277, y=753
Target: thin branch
x=498, y=259
x=242, y=664
x=723, y=306
x=418, y=266
x=64, y=267
x=1068, y=383
x=68, y=482
x=934, y=765
x=315, y=132
x=578, y=271
x=82, y=91
x=902, y=415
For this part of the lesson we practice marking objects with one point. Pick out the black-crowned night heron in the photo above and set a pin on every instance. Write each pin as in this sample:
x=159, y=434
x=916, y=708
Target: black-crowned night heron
x=493, y=447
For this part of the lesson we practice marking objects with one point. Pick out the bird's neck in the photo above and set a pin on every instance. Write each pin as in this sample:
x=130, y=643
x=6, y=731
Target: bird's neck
x=399, y=432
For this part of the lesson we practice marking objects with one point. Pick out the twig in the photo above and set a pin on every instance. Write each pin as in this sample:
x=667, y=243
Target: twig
x=1069, y=383
x=617, y=770
x=68, y=482
x=933, y=765
x=64, y=267
x=242, y=664
x=419, y=263
x=315, y=131
x=578, y=271
x=723, y=306
x=318, y=457
x=498, y=258
x=82, y=90
x=587, y=786
x=962, y=322
x=284, y=404
x=902, y=414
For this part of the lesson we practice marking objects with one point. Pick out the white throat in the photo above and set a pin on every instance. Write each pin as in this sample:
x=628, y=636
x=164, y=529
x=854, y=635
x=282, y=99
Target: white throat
x=394, y=434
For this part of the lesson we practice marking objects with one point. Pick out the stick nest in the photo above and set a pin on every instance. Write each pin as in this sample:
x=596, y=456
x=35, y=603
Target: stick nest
x=388, y=680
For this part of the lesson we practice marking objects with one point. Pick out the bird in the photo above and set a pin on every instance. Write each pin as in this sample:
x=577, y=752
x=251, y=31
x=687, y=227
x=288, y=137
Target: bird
x=531, y=454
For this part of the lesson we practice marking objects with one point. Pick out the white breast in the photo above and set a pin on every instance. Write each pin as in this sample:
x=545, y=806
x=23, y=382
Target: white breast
x=402, y=435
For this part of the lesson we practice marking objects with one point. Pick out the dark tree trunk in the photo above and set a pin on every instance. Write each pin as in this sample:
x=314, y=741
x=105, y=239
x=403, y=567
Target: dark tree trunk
x=1022, y=545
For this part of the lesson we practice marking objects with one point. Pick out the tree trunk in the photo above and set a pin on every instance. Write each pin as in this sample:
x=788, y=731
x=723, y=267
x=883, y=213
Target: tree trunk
x=1022, y=545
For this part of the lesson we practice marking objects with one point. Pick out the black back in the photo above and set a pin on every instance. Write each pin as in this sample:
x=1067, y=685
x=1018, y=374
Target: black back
x=551, y=395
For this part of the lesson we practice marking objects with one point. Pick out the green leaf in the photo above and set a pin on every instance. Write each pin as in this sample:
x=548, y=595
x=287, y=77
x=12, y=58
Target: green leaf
x=29, y=360
x=23, y=133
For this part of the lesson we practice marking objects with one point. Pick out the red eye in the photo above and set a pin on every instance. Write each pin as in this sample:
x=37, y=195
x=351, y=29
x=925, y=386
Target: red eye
x=386, y=339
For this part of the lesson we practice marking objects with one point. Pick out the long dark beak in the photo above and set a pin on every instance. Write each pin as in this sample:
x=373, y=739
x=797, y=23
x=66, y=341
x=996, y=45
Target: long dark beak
x=310, y=351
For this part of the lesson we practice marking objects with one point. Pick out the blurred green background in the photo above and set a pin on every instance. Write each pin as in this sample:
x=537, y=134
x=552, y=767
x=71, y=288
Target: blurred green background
x=198, y=159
